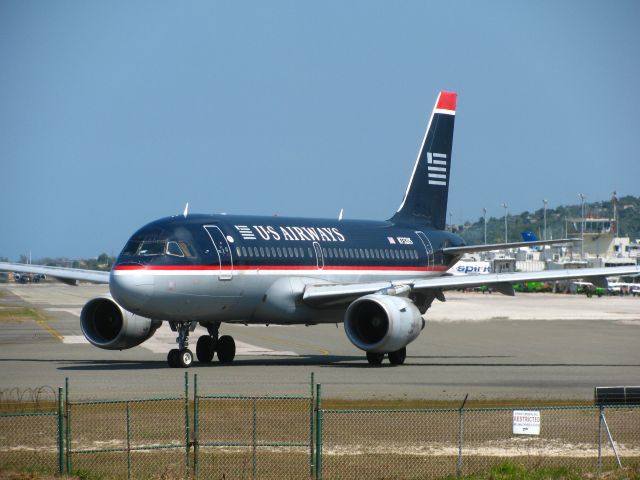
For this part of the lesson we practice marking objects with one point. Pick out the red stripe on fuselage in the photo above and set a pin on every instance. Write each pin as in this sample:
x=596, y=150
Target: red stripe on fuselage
x=277, y=267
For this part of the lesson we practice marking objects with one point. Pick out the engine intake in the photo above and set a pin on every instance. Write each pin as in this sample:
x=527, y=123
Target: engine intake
x=107, y=325
x=382, y=323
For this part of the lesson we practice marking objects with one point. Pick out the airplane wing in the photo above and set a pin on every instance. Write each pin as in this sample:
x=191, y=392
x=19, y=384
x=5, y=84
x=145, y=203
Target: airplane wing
x=503, y=246
x=67, y=275
x=333, y=295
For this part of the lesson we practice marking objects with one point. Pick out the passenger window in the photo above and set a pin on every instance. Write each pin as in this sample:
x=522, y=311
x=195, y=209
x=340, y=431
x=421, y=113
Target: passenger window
x=273, y=252
x=290, y=253
x=238, y=251
x=279, y=252
x=295, y=252
x=244, y=252
x=261, y=252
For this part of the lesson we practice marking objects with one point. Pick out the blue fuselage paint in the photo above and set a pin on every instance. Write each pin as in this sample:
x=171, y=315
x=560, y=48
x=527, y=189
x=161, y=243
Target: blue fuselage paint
x=221, y=267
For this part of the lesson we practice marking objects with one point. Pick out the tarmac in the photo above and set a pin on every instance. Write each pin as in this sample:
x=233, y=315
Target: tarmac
x=536, y=346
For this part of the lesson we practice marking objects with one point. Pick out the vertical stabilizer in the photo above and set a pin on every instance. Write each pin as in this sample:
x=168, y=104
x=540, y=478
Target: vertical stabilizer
x=425, y=201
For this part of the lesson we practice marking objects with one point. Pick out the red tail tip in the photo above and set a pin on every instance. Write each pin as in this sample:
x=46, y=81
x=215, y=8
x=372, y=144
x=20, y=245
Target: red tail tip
x=447, y=101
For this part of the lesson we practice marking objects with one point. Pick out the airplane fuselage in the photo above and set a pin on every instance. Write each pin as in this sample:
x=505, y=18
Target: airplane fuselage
x=224, y=268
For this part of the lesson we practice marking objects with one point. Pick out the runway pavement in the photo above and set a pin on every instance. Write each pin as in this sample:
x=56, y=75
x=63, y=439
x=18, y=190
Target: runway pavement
x=534, y=346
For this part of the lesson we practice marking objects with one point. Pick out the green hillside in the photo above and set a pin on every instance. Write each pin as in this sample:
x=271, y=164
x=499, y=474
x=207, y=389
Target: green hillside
x=628, y=212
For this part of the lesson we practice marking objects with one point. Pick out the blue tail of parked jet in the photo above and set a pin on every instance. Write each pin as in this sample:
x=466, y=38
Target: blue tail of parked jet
x=425, y=201
x=529, y=236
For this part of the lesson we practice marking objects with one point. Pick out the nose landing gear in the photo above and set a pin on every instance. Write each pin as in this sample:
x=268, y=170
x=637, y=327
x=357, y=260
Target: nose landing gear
x=181, y=357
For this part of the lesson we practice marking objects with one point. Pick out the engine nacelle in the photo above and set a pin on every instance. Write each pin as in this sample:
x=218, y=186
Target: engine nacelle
x=382, y=323
x=107, y=325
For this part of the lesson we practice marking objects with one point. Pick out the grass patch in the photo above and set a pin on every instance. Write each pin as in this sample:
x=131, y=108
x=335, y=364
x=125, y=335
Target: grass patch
x=17, y=314
x=510, y=471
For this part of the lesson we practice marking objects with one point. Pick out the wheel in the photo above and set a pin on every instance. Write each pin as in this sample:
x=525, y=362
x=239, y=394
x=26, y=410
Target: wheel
x=205, y=348
x=172, y=357
x=397, y=357
x=185, y=358
x=226, y=349
x=375, y=358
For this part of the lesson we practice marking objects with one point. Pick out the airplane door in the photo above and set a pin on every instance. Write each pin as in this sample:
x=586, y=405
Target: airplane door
x=223, y=250
x=427, y=246
x=319, y=256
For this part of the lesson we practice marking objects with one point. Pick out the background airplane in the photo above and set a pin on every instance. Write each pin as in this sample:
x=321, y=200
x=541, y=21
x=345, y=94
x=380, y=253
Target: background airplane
x=378, y=277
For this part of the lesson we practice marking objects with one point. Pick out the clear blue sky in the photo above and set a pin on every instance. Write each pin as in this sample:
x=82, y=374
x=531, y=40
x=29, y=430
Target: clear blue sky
x=113, y=114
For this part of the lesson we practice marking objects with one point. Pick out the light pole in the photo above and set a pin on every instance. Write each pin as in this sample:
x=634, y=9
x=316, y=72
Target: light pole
x=506, y=232
x=451, y=221
x=545, y=217
x=582, y=197
x=484, y=215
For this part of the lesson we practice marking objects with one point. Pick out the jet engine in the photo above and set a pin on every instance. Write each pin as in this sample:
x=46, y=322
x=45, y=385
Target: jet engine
x=382, y=323
x=107, y=325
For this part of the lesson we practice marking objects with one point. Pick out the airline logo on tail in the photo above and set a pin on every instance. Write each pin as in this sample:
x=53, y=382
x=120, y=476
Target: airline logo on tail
x=437, y=168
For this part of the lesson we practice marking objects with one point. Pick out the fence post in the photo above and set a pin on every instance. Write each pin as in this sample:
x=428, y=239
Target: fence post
x=460, y=436
x=254, y=434
x=311, y=425
x=318, y=433
x=196, y=427
x=68, y=424
x=187, y=426
x=128, y=442
x=60, y=433
x=601, y=411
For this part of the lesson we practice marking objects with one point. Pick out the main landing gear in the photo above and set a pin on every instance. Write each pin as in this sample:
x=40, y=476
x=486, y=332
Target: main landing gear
x=395, y=358
x=207, y=346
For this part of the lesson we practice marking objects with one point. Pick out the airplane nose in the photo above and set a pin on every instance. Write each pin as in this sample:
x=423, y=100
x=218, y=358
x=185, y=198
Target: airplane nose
x=131, y=288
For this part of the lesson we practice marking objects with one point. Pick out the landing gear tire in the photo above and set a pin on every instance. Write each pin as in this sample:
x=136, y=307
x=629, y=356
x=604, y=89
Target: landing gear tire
x=185, y=358
x=180, y=358
x=375, y=358
x=398, y=357
x=205, y=349
x=226, y=349
x=172, y=357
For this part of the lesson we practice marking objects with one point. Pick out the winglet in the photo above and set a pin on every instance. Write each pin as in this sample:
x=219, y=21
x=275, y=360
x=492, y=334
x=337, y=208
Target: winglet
x=186, y=210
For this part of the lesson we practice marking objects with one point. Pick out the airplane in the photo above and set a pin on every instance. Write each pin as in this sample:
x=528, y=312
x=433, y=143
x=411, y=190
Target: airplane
x=377, y=277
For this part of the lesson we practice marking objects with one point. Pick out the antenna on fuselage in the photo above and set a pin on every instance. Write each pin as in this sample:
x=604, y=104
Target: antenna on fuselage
x=340, y=214
x=186, y=210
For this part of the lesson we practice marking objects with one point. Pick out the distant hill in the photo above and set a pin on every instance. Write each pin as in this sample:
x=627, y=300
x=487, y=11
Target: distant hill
x=628, y=213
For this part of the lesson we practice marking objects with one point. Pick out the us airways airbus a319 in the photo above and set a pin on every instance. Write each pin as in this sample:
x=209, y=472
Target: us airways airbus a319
x=378, y=277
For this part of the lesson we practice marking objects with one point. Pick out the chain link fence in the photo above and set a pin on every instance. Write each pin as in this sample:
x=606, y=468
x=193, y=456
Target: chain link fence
x=264, y=437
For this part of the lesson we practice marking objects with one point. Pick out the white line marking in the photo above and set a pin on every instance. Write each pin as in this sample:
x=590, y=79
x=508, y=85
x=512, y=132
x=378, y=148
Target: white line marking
x=436, y=182
x=439, y=155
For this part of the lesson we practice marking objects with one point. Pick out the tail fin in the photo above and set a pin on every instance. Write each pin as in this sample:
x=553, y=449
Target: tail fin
x=529, y=236
x=425, y=201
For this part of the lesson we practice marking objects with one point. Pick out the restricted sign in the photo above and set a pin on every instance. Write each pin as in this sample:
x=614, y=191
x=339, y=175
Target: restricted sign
x=526, y=422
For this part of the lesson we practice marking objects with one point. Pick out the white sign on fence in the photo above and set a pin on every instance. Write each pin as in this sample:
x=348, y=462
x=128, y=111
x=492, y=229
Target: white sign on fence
x=526, y=422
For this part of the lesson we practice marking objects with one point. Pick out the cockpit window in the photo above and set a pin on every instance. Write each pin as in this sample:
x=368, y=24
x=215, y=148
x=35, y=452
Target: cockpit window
x=130, y=248
x=152, y=248
x=173, y=248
